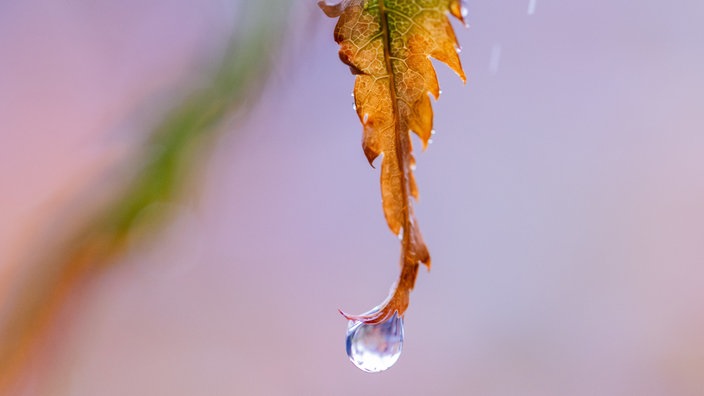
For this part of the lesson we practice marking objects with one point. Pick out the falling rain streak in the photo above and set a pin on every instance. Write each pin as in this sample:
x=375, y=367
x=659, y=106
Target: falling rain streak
x=531, y=6
x=494, y=59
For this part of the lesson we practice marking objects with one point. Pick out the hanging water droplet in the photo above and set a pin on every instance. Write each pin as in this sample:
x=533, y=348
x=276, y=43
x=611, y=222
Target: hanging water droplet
x=375, y=348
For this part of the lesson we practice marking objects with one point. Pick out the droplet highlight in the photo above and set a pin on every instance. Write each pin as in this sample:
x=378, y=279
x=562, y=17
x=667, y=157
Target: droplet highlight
x=375, y=347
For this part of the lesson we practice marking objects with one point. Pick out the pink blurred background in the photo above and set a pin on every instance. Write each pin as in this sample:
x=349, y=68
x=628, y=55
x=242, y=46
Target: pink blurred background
x=562, y=201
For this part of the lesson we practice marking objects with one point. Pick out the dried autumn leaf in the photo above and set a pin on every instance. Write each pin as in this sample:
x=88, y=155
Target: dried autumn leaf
x=388, y=45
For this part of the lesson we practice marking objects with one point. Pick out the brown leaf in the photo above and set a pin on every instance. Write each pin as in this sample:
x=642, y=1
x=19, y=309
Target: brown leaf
x=387, y=45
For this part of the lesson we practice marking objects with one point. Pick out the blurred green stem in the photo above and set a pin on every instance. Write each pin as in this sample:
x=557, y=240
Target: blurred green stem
x=165, y=158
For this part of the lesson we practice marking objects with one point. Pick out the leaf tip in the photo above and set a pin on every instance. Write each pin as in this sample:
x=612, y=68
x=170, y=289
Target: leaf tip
x=459, y=10
x=348, y=317
x=428, y=264
x=370, y=154
x=332, y=11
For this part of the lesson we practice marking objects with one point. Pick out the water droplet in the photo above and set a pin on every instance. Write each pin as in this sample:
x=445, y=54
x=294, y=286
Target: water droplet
x=375, y=348
x=354, y=106
x=464, y=11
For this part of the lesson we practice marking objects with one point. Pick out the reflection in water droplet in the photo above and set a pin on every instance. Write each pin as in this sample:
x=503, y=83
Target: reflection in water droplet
x=375, y=348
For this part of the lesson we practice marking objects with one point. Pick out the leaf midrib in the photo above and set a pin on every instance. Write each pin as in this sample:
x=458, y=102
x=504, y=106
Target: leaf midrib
x=398, y=134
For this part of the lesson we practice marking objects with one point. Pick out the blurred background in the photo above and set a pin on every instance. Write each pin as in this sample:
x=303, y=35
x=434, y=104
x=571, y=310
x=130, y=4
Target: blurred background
x=562, y=201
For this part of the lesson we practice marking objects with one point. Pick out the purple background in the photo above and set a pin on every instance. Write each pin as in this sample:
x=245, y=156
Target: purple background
x=562, y=201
